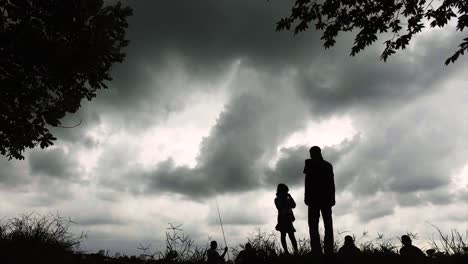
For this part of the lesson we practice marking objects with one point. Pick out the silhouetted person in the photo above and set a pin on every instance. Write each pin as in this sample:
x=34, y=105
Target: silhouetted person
x=319, y=197
x=349, y=249
x=213, y=255
x=247, y=256
x=285, y=203
x=408, y=250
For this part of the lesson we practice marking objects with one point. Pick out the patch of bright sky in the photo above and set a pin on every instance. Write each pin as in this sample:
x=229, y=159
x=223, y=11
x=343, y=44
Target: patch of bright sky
x=325, y=133
x=328, y=132
x=460, y=179
x=179, y=137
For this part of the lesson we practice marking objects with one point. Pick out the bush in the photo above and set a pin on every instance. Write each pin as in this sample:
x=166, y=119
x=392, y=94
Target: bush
x=37, y=237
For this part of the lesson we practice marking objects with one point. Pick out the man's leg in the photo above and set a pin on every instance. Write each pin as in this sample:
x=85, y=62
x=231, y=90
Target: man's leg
x=328, y=224
x=314, y=216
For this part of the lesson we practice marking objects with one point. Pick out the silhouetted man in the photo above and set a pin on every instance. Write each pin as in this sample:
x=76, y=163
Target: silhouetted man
x=247, y=256
x=319, y=197
x=213, y=255
x=408, y=250
x=349, y=249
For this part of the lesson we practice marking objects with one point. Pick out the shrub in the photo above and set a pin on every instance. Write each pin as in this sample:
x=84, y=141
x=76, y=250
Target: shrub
x=36, y=237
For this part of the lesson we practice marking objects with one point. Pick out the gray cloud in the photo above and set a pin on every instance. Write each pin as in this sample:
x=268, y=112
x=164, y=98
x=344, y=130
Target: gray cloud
x=207, y=41
x=13, y=173
x=172, y=40
x=334, y=84
x=459, y=216
x=201, y=47
x=408, y=153
x=236, y=215
x=411, y=136
x=100, y=220
x=233, y=155
x=79, y=134
x=374, y=208
x=289, y=167
x=53, y=163
x=408, y=199
x=441, y=196
x=238, y=144
x=462, y=195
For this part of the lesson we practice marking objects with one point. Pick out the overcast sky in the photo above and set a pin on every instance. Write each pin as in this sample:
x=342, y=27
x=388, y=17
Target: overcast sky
x=212, y=103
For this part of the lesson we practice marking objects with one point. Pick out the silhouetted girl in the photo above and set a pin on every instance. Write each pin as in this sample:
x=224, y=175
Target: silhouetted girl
x=284, y=203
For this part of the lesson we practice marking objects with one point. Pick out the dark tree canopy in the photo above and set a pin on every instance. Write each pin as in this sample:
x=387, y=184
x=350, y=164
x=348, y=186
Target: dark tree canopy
x=53, y=54
x=401, y=19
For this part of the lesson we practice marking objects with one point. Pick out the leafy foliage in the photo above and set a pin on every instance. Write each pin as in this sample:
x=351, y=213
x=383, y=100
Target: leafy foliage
x=53, y=54
x=401, y=18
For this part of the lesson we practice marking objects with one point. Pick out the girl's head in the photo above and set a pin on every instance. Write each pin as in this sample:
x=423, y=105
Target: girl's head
x=282, y=189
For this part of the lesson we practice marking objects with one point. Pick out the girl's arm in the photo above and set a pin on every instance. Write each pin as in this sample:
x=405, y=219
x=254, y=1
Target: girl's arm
x=292, y=203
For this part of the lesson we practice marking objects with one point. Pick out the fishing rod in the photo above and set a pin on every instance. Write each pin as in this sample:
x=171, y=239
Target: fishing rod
x=222, y=229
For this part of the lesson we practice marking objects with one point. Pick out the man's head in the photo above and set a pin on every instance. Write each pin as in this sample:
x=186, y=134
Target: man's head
x=405, y=240
x=348, y=241
x=213, y=244
x=248, y=246
x=315, y=153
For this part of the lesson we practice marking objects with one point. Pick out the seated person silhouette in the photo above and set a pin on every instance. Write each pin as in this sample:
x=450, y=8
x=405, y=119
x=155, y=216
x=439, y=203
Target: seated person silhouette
x=213, y=255
x=349, y=249
x=408, y=250
x=285, y=203
x=247, y=256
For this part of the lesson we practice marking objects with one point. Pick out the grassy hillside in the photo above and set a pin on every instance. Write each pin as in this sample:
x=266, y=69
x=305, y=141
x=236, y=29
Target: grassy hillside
x=46, y=239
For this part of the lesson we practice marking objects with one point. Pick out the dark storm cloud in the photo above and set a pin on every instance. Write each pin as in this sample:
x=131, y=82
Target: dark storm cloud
x=53, y=163
x=373, y=212
x=414, y=150
x=334, y=83
x=206, y=37
x=195, y=42
x=231, y=157
x=171, y=40
x=45, y=176
x=289, y=167
x=374, y=208
x=199, y=43
x=205, y=41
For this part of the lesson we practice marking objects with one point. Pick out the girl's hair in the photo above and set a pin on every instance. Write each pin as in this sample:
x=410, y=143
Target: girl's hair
x=282, y=188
